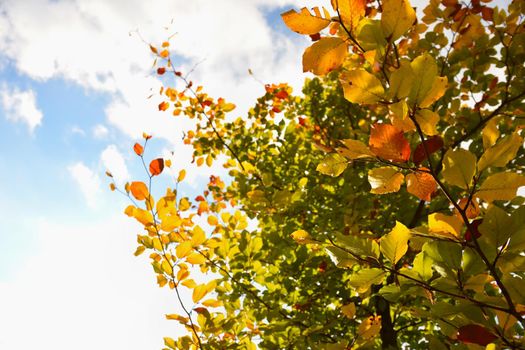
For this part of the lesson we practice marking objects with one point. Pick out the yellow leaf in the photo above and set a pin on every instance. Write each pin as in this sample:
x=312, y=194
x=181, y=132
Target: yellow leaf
x=189, y=283
x=169, y=223
x=401, y=81
x=354, y=149
x=199, y=292
x=181, y=319
x=212, y=303
x=212, y=220
x=325, y=55
x=397, y=18
x=351, y=11
x=183, y=249
x=301, y=237
x=209, y=160
x=361, y=87
x=370, y=327
x=140, y=250
x=444, y=224
x=490, y=133
x=425, y=73
x=228, y=107
x=427, y=120
x=395, y=244
x=198, y=236
x=184, y=204
x=500, y=186
x=385, y=180
x=195, y=258
x=304, y=22
x=501, y=153
x=182, y=175
x=399, y=116
x=421, y=184
x=166, y=267
x=436, y=92
x=348, y=310
x=161, y=281
x=459, y=167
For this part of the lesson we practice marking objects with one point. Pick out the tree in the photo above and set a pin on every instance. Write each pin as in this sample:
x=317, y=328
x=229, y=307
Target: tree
x=341, y=253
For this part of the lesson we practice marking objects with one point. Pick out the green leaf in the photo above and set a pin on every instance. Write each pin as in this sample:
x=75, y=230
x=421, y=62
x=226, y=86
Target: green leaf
x=445, y=254
x=500, y=186
x=324, y=55
x=359, y=86
x=401, y=81
x=459, y=167
x=340, y=258
x=333, y=164
x=364, y=278
x=423, y=266
x=495, y=228
x=395, y=244
x=358, y=245
x=397, y=18
x=385, y=180
x=501, y=153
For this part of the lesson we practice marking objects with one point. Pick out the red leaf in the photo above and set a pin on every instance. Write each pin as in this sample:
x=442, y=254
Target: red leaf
x=282, y=95
x=199, y=198
x=387, y=142
x=163, y=106
x=433, y=144
x=475, y=334
x=315, y=37
x=161, y=70
x=156, y=166
x=139, y=150
x=475, y=228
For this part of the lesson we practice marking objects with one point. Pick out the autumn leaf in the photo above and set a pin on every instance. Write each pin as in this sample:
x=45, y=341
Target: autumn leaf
x=501, y=153
x=385, y=180
x=324, y=55
x=427, y=120
x=387, y=142
x=447, y=225
x=459, y=167
x=333, y=164
x=475, y=334
x=421, y=184
x=302, y=237
x=395, y=244
x=304, y=22
x=359, y=86
x=139, y=190
x=156, y=166
x=370, y=327
x=397, y=18
x=500, y=186
x=354, y=149
x=348, y=310
x=182, y=175
x=163, y=106
x=425, y=74
x=139, y=150
x=351, y=11
x=439, y=86
x=401, y=81
x=432, y=144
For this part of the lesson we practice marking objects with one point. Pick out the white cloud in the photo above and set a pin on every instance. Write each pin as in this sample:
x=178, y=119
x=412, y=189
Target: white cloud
x=78, y=131
x=20, y=106
x=88, y=182
x=85, y=290
x=100, y=131
x=114, y=162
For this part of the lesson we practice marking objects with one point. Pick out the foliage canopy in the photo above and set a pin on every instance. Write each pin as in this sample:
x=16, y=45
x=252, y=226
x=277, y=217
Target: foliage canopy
x=383, y=200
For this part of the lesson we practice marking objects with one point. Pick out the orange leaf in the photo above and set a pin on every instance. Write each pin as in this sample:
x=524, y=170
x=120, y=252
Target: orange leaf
x=156, y=166
x=387, y=142
x=139, y=190
x=421, y=184
x=163, y=106
x=164, y=53
x=146, y=136
x=139, y=150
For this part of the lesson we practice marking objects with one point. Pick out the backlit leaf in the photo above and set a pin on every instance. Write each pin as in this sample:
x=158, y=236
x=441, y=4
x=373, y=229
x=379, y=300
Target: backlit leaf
x=421, y=184
x=183, y=249
x=500, y=186
x=182, y=175
x=359, y=86
x=401, y=81
x=397, y=18
x=501, y=153
x=475, y=334
x=385, y=180
x=364, y=278
x=395, y=244
x=139, y=150
x=333, y=164
x=459, y=167
x=348, y=310
x=490, y=133
x=163, y=106
x=305, y=22
x=156, y=166
x=351, y=11
x=301, y=237
x=325, y=55
x=195, y=258
x=139, y=190
x=387, y=142
x=425, y=73
x=431, y=145
x=439, y=86
x=447, y=225
x=354, y=149
x=370, y=327
x=427, y=120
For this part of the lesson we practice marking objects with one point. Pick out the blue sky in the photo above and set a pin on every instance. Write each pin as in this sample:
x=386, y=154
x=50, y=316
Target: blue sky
x=74, y=81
